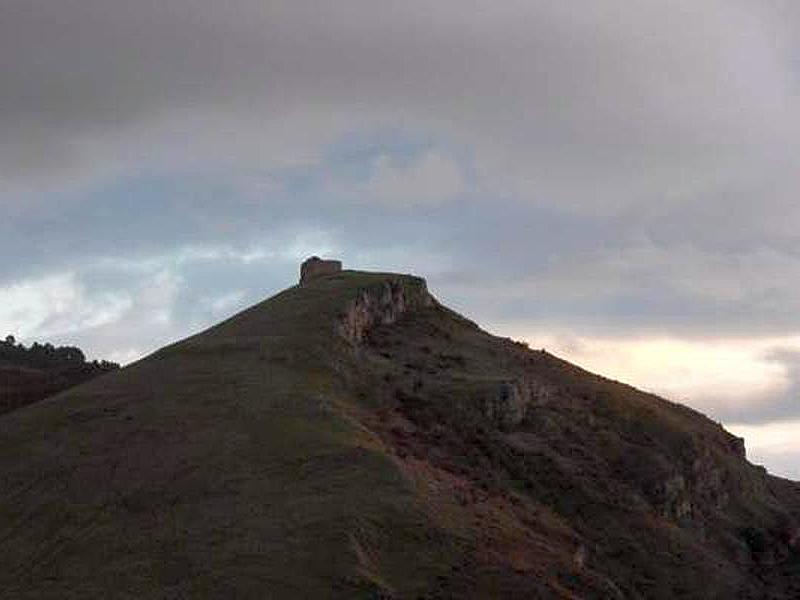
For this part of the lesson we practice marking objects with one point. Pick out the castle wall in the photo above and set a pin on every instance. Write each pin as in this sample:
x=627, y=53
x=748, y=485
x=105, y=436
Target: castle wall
x=316, y=267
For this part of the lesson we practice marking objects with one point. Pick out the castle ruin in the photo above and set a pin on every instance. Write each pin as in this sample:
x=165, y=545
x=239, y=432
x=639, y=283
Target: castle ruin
x=316, y=267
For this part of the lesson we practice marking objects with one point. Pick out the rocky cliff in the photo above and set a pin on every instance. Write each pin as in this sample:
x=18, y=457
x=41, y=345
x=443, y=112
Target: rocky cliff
x=657, y=495
x=382, y=304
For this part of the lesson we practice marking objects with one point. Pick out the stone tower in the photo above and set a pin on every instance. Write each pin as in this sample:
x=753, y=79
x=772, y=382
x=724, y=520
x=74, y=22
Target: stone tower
x=316, y=267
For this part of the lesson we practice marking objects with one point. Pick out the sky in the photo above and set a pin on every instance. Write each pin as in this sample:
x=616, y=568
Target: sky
x=615, y=181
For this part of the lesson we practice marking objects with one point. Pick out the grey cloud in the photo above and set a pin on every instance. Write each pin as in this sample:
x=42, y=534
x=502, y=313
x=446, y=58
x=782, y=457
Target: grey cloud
x=511, y=262
x=591, y=106
x=153, y=301
x=781, y=462
x=770, y=407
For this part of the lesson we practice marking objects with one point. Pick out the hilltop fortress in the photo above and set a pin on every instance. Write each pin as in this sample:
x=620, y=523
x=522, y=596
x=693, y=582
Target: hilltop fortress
x=317, y=267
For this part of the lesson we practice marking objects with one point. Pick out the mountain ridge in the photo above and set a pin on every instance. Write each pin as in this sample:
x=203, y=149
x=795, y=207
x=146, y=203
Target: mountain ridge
x=353, y=437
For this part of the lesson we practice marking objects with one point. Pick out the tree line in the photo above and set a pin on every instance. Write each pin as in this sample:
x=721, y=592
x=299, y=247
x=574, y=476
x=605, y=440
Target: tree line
x=32, y=373
x=47, y=356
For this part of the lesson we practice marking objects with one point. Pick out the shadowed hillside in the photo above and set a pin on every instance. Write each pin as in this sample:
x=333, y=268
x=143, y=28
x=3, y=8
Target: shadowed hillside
x=352, y=437
x=30, y=374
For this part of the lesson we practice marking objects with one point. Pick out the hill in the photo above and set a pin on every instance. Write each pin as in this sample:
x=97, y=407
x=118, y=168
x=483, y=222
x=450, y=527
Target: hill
x=30, y=374
x=352, y=437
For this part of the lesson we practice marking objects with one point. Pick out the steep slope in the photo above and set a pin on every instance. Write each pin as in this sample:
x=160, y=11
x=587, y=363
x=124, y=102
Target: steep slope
x=351, y=437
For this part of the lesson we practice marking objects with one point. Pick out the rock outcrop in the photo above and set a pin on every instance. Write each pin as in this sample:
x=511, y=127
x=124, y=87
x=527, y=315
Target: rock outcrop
x=382, y=304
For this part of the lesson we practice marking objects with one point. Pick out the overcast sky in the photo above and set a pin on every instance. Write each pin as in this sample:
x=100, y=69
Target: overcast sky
x=616, y=181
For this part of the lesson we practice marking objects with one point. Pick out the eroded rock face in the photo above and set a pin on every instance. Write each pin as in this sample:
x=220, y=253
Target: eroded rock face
x=316, y=267
x=382, y=305
x=702, y=484
x=672, y=498
x=508, y=406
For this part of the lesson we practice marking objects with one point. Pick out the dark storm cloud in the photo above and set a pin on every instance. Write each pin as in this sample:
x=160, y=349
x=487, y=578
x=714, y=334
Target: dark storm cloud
x=558, y=100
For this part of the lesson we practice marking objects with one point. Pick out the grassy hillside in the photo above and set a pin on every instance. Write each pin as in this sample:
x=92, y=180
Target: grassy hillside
x=354, y=438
